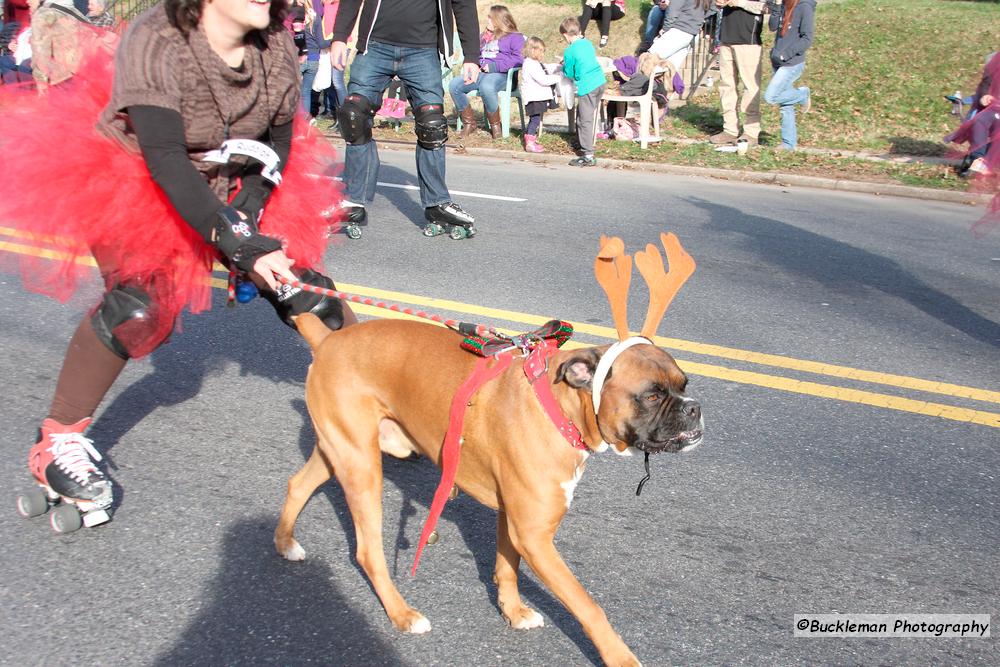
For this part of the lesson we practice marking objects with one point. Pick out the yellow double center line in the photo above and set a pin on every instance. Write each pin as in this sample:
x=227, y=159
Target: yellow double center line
x=771, y=381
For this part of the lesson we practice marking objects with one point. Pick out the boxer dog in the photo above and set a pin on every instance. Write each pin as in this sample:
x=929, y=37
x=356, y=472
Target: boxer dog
x=386, y=386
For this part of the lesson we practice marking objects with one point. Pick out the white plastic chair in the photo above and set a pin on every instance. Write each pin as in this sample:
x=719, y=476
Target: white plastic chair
x=648, y=116
x=506, y=96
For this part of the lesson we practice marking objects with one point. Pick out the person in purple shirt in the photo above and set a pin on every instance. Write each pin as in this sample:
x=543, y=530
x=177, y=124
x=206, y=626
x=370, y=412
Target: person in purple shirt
x=500, y=48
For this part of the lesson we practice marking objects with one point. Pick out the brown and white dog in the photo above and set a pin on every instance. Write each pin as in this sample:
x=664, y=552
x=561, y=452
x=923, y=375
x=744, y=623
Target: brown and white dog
x=386, y=386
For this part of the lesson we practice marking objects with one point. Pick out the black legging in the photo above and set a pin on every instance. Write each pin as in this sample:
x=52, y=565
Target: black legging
x=605, y=13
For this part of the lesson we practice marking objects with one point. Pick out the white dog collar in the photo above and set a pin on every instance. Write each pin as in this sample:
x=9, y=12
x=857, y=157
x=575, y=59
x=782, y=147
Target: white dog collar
x=604, y=367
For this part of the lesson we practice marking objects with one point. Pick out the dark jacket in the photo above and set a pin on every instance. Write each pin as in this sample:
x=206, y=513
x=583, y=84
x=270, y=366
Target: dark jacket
x=740, y=26
x=450, y=12
x=314, y=40
x=790, y=48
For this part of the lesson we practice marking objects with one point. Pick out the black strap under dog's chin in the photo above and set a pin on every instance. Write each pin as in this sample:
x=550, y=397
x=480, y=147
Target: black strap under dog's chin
x=644, y=479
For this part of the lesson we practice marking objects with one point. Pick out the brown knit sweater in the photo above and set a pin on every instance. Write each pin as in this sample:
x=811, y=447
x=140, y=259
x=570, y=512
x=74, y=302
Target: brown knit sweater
x=156, y=65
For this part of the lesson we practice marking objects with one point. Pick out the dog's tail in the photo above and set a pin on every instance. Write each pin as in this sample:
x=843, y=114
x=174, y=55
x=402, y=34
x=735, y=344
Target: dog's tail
x=312, y=329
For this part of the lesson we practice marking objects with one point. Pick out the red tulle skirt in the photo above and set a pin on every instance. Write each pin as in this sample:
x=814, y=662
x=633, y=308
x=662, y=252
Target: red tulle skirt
x=69, y=194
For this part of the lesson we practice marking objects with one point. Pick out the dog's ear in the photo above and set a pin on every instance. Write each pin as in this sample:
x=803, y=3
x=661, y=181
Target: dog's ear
x=578, y=371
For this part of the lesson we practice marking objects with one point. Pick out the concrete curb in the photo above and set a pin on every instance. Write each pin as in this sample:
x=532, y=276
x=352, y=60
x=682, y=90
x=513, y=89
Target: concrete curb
x=761, y=177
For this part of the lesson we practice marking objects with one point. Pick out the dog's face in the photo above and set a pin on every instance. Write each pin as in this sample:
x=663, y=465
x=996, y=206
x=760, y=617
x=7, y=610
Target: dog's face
x=643, y=402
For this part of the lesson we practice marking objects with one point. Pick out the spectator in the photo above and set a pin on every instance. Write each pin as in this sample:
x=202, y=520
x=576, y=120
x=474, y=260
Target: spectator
x=740, y=55
x=794, y=24
x=500, y=47
x=383, y=25
x=334, y=94
x=15, y=53
x=307, y=28
x=682, y=23
x=18, y=11
x=98, y=15
x=982, y=131
x=580, y=64
x=990, y=72
x=536, y=91
x=59, y=34
x=168, y=215
x=654, y=21
x=13, y=71
x=605, y=11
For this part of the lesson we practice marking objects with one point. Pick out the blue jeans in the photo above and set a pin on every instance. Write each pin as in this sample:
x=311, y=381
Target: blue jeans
x=781, y=91
x=654, y=21
x=487, y=85
x=420, y=71
x=338, y=85
x=308, y=70
x=335, y=95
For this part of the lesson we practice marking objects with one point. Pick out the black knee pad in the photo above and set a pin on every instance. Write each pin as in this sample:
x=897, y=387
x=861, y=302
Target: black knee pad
x=122, y=304
x=289, y=301
x=431, y=126
x=356, y=115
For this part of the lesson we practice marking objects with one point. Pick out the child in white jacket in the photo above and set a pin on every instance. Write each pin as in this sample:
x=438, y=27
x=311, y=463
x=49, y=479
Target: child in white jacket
x=535, y=84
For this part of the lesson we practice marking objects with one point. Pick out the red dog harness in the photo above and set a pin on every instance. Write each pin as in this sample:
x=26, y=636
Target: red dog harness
x=536, y=366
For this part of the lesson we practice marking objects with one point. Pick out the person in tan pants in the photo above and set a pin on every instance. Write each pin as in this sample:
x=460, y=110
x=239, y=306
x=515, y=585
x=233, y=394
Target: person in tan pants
x=740, y=54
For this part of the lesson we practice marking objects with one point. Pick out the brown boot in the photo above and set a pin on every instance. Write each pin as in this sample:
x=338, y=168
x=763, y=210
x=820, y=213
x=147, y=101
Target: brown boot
x=468, y=117
x=496, y=129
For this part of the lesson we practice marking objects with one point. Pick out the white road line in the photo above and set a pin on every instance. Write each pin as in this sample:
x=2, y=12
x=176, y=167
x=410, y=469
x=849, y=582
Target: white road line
x=457, y=192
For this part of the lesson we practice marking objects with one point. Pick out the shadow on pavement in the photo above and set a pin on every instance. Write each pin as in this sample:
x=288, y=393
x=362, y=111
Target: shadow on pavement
x=261, y=609
x=179, y=371
x=845, y=267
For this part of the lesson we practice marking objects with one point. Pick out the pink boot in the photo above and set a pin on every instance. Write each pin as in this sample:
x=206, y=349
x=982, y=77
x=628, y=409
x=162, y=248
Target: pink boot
x=531, y=144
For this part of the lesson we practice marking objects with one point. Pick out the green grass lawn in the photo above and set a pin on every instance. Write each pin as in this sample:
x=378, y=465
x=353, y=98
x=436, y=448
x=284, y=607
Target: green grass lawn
x=879, y=70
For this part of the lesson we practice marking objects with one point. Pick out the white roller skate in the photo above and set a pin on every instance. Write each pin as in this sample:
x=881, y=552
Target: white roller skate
x=62, y=462
x=450, y=219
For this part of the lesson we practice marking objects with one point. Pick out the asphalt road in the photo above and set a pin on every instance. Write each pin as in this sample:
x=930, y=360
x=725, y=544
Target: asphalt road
x=856, y=471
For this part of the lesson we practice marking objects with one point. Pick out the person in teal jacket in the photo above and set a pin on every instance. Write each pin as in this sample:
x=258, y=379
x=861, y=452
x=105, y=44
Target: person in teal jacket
x=580, y=64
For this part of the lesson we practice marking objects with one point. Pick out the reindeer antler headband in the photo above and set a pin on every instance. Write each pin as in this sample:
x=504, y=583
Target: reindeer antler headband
x=613, y=269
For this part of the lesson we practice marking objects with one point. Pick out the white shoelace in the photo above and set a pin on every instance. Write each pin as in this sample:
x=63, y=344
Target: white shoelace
x=70, y=451
x=459, y=211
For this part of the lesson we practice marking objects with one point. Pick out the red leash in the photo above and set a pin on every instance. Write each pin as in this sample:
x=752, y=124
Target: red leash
x=451, y=449
x=395, y=307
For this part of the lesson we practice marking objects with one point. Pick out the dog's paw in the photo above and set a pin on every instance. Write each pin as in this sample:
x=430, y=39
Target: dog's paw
x=419, y=625
x=627, y=659
x=526, y=619
x=293, y=552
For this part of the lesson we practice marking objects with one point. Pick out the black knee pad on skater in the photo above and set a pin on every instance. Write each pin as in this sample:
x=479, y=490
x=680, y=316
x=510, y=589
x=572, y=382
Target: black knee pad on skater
x=356, y=115
x=431, y=126
x=289, y=301
x=121, y=304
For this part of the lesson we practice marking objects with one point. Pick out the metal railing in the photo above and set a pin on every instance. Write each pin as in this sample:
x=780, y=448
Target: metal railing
x=124, y=10
x=700, y=58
